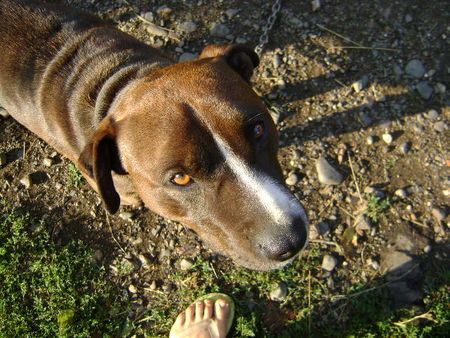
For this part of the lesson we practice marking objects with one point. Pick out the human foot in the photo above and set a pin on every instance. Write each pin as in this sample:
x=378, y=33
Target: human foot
x=209, y=317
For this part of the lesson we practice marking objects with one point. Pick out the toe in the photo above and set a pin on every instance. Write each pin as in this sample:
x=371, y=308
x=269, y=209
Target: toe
x=209, y=309
x=180, y=319
x=221, y=309
x=190, y=314
x=199, y=309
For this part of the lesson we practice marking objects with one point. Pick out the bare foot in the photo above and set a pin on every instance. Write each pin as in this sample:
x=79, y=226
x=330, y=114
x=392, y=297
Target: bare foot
x=203, y=319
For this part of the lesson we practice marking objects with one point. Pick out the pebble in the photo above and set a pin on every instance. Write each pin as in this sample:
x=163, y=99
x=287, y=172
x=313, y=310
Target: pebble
x=2, y=159
x=415, y=68
x=408, y=18
x=292, y=179
x=219, y=30
x=186, y=264
x=439, y=214
x=187, y=27
x=148, y=16
x=374, y=263
x=48, y=162
x=417, y=127
x=163, y=10
x=4, y=113
x=279, y=293
x=362, y=223
x=440, y=126
x=439, y=87
x=424, y=89
x=432, y=114
x=427, y=249
x=323, y=228
x=26, y=181
x=405, y=147
x=187, y=57
x=231, y=13
x=370, y=140
x=388, y=138
x=132, y=288
x=329, y=263
x=360, y=84
x=97, y=255
x=126, y=216
x=401, y=193
x=315, y=4
x=327, y=173
x=153, y=286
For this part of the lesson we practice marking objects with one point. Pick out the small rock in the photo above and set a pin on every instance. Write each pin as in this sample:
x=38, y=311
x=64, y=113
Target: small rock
x=439, y=87
x=279, y=293
x=26, y=181
x=440, y=126
x=417, y=128
x=148, y=16
x=2, y=159
x=126, y=216
x=277, y=61
x=132, y=288
x=241, y=40
x=58, y=186
x=186, y=264
x=48, y=162
x=432, y=114
x=327, y=173
x=323, y=228
x=415, y=68
x=427, y=249
x=187, y=27
x=374, y=263
x=163, y=10
x=360, y=84
x=231, y=13
x=153, y=286
x=4, y=113
x=424, y=89
x=98, y=255
x=401, y=193
x=144, y=260
x=329, y=263
x=439, y=214
x=370, y=140
x=292, y=179
x=187, y=57
x=369, y=190
x=388, y=138
x=219, y=30
x=315, y=4
x=405, y=147
x=408, y=18
x=362, y=223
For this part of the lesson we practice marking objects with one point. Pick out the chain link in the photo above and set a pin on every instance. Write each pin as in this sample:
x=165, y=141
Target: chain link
x=264, y=38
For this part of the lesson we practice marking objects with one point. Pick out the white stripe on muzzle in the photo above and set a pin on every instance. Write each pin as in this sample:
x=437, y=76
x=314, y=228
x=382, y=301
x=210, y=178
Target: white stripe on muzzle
x=278, y=202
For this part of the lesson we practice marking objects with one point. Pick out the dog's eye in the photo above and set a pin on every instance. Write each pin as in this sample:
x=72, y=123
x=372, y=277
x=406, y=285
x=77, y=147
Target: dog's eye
x=181, y=179
x=258, y=130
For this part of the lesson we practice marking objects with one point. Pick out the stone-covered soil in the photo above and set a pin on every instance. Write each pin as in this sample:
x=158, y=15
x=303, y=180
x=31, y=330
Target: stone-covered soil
x=363, y=84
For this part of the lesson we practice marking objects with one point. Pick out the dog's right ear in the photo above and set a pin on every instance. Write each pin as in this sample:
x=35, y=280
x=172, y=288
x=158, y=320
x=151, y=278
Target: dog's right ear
x=98, y=159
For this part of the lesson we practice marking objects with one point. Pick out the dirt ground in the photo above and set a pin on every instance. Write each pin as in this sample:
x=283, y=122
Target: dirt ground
x=340, y=83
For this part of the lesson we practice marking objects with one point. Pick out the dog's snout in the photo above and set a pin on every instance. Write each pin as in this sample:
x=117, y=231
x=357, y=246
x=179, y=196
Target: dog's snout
x=287, y=245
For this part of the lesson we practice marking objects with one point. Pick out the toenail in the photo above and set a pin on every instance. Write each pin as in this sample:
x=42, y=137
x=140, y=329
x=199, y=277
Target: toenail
x=223, y=304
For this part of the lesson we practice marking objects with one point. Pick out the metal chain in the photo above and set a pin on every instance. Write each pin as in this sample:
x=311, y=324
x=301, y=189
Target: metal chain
x=264, y=38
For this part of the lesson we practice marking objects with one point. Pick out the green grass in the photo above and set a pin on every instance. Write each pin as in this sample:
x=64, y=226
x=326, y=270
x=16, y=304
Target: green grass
x=75, y=177
x=47, y=290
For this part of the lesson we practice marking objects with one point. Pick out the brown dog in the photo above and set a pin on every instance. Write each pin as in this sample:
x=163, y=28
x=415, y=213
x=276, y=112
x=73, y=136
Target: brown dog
x=191, y=139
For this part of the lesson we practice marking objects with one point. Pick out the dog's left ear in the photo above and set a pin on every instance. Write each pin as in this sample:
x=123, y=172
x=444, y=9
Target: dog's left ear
x=99, y=158
x=240, y=57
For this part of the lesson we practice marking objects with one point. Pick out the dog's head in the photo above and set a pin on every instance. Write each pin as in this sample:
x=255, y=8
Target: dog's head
x=201, y=148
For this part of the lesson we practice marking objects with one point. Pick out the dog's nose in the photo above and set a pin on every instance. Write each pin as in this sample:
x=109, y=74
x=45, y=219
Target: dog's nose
x=287, y=245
